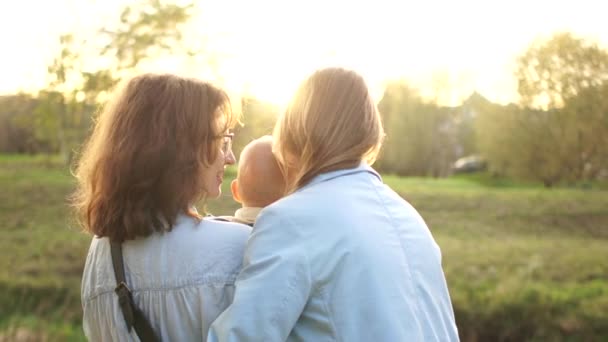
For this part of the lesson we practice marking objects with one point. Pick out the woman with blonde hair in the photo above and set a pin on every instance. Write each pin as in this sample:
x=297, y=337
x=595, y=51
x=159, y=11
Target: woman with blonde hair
x=342, y=257
x=156, y=269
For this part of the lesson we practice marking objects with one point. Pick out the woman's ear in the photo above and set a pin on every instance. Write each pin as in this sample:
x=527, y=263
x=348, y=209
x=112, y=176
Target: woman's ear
x=234, y=188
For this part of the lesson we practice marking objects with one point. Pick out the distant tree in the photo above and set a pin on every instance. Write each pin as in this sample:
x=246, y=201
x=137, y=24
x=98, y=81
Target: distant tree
x=17, y=129
x=56, y=117
x=585, y=118
x=465, y=117
x=514, y=141
x=143, y=32
x=553, y=71
x=556, y=134
x=420, y=135
x=493, y=144
x=76, y=87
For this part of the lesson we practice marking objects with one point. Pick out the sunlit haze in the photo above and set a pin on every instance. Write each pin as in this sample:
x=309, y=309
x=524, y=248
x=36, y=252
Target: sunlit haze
x=447, y=49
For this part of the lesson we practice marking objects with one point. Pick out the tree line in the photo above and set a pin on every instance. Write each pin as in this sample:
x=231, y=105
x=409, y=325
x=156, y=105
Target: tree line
x=557, y=131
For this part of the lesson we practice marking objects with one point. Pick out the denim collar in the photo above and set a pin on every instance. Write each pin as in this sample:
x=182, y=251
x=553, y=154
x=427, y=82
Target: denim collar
x=362, y=167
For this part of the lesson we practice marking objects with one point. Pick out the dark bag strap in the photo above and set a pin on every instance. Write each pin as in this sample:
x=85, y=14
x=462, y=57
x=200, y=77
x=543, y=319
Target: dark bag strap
x=133, y=316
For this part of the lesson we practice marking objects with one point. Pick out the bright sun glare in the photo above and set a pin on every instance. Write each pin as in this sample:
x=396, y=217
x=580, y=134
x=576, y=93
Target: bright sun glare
x=447, y=49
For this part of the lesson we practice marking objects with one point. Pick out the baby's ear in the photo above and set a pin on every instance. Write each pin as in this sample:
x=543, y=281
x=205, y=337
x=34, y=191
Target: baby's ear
x=234, y=188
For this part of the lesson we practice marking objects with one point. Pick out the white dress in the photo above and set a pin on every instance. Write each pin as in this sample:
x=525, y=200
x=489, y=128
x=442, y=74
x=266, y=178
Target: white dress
x=181, y=280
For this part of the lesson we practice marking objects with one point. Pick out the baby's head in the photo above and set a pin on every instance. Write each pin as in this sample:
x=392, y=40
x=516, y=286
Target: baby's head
x=259, y=180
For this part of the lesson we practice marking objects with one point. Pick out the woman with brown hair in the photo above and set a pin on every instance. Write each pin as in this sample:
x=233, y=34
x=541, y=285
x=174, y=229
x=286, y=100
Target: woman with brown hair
x=155, y=264
x=342, y=257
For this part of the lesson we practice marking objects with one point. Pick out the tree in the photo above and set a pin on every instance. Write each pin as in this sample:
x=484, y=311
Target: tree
x=466, y=117
x=515, y=143
x=551, y=72
x=17, y=125
x=145, y=31
x=77, y=85
x=554, y=135
x=55, y=115
x=586, y=116
x=420, y=136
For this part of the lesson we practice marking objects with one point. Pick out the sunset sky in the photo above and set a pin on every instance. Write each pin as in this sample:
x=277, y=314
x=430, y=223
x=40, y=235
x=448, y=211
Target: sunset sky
x=265, y=48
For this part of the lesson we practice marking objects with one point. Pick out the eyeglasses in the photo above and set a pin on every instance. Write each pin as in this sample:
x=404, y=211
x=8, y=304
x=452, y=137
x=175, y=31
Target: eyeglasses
x=226, y=142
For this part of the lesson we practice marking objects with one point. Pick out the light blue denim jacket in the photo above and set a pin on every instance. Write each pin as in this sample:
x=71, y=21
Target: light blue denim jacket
x=181, y=280
x=343, y=259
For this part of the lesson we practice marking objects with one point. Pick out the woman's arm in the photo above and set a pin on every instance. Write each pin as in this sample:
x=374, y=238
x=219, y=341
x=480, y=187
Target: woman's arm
x=273, y=286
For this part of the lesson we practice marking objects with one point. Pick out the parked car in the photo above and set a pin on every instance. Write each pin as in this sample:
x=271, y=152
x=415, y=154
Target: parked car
x=468, y=164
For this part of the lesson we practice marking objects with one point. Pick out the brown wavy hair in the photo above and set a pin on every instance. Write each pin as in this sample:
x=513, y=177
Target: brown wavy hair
x=143, y=163
x=331, y=123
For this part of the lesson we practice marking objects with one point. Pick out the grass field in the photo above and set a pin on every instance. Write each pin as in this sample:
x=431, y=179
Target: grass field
x=523, y=263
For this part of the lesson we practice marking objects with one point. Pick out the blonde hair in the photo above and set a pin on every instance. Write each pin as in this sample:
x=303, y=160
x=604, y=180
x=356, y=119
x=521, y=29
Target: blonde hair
x=144, y=161
x=331, y=123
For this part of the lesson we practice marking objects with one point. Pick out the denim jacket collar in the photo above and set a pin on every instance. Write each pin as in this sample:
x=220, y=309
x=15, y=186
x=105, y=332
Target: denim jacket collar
x=362, y=167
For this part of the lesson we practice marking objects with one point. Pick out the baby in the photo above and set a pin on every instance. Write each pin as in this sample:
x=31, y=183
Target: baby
x=259, y=180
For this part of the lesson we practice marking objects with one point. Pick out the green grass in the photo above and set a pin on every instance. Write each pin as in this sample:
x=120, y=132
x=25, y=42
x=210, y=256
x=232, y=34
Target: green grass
x=522, y=262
